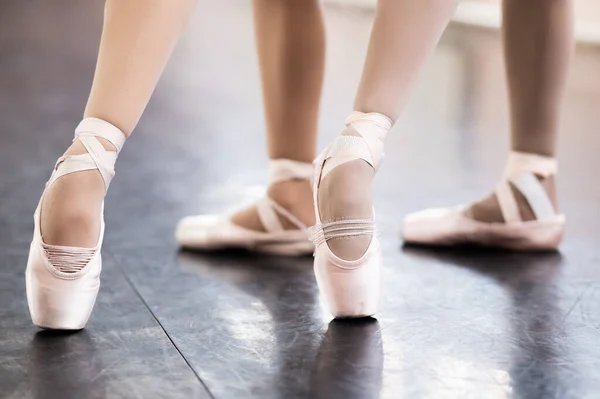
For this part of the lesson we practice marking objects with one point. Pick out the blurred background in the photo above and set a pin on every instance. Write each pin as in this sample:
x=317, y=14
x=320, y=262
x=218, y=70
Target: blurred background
x=487, y=13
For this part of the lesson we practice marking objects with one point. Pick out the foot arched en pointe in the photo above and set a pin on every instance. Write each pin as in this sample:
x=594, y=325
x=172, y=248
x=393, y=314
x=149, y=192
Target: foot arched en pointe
x=349, y=273
x=62, y=282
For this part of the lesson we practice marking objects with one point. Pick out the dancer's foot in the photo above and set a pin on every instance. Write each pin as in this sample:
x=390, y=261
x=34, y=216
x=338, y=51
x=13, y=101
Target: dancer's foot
x=345, y=194
x=63, y=270
x=72, y=206
x=520, y=215
x=276, y=224
x=347, y=254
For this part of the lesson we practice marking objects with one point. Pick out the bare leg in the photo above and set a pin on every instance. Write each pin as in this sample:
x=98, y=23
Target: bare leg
x=538, y=43
x=404, y=33
x=137, y=40
x=291, y=48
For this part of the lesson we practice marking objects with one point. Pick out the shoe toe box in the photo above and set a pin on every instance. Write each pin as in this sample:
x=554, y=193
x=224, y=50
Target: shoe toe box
x=431, y=226
x=196, y=231
x=58, y=301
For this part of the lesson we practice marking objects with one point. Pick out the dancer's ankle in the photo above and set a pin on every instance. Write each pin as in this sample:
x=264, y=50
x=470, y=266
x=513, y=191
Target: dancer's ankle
x=72, y=203
x=290, y=189
x=76, y=148
x=296, y=197
x=291, y=193
x=542, y=167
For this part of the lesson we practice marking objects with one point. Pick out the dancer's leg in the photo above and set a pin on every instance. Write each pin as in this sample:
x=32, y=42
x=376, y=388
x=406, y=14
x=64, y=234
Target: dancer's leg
x=137, y=39
x=290, y=38
x=538, y=46
x=291, y=49
x=404, y=33
x=538, y=42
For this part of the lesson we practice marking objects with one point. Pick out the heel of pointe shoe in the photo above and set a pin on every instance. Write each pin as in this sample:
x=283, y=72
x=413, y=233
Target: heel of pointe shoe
x=554, y=237
x=60, y=301
x=531, y=236
x=350, y=289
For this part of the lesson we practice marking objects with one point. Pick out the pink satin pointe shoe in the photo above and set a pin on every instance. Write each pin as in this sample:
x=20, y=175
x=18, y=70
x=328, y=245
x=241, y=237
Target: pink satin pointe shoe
x=453, y=226
x=62, y=282
x=349, y=288
x=214, y=232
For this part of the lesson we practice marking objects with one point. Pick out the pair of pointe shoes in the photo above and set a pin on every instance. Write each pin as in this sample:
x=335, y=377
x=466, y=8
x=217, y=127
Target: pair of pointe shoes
x=62, y=282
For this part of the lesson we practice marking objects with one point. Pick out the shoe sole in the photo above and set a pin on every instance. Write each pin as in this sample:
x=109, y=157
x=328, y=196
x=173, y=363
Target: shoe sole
x=534, y=236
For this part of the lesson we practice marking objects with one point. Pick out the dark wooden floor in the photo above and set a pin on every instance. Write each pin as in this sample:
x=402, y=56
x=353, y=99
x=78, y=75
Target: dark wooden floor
x=455, y=324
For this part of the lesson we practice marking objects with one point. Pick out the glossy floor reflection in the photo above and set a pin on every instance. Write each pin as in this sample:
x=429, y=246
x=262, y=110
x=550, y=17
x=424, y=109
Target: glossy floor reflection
x=350, y=361
x=172, y=324
x=66, y=363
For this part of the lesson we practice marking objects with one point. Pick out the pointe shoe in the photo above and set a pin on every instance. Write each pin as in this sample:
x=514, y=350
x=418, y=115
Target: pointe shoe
x=349, y=289
x=62, y=282
x=453, y=226
x=213, y=232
